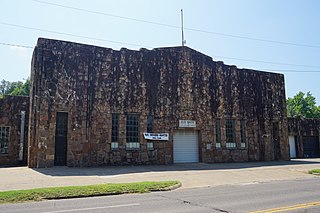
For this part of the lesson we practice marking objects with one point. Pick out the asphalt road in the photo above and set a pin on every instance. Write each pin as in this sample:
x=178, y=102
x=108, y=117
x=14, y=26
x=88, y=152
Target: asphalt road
x=301, y=195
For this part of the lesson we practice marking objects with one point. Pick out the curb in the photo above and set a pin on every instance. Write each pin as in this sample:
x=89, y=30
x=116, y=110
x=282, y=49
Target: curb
x=170, y=188
x=315, y=173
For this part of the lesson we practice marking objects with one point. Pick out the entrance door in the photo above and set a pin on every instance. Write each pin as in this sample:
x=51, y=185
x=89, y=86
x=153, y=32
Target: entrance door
x=60, y=157
x=292, y=145
x=311, y=147
x=276, y=141
x=185, y=147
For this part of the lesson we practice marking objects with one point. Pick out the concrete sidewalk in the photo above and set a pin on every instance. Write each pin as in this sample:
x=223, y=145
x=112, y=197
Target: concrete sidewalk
x=190, y=175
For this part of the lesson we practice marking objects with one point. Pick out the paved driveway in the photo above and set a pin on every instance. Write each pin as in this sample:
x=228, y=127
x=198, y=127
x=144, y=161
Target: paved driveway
x=191, y=175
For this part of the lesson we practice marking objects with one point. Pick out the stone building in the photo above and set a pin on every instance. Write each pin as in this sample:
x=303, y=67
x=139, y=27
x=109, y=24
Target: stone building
x=92, y=106
x=13, y=130
x=304, y=137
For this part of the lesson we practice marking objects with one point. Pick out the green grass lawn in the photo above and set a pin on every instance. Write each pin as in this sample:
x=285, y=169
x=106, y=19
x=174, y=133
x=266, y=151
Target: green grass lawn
x=83, y=191
x=314, y=171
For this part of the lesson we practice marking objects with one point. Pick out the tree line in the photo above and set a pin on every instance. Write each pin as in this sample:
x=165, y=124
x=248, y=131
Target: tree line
x=15, y=88
x=301, y=105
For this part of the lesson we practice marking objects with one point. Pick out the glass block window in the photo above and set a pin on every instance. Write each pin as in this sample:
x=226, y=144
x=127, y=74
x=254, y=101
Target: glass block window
x=133, y=131
x=218, y=145
x=115, y=131
x=114, y=145
x=150, y=145
x=209, y=146
x=133, y=145
x=243, y=134
x=4, y=139
x=230, y=134
x=150, y=123
x=218, y=133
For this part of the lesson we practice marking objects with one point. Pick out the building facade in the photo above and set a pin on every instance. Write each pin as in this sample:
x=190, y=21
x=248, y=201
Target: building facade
x=13, y=130
x=304, y=137
x=93, y=106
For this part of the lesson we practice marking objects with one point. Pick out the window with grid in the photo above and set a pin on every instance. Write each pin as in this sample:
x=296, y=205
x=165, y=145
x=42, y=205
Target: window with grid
x=243, y=134
x=115, y=131
x=132, y=131
x=218, y=134
x=150, y=145
x=230, y=134
x=4, y=139
x=150, y=123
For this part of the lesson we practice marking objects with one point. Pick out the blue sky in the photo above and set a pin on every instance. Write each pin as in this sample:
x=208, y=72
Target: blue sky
x=290, y=30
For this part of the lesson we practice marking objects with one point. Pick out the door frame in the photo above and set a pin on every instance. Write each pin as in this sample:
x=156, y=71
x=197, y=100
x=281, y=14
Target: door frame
x=65, y=140
x=198, y=143
x=295, y=145
x=276, y=140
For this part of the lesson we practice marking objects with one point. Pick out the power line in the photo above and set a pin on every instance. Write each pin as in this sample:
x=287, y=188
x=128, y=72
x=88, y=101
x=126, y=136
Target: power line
x=275, y=70
x=16, y=45
x=269, y=62
x=258, y=61
x=69, y=34
x=177, y=27
x=107, y=14
x=254, y=39
x=297, y=71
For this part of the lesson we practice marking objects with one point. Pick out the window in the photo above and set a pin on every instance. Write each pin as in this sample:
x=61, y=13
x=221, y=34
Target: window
x=280, y=110
x=4, y=139
x=149, y=130
x=243, y=134
x=132, y=131
x=230, y=134
x=150, y=123
x=209, y=146
x=115, y=131
x=150, y=145
x=218, y=134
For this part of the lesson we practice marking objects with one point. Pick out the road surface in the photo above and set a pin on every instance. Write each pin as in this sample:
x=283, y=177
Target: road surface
x=302, y=195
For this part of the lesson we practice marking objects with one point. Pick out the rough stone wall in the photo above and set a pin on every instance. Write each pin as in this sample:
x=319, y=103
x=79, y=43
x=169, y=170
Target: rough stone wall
x=302, y=127
x=172, y=84
x=10, y=116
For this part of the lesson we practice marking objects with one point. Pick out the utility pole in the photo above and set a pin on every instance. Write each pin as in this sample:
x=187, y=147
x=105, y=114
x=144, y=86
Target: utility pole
x=182, y=34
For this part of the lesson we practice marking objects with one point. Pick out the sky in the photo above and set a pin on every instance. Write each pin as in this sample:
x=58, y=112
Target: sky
x=268, y=35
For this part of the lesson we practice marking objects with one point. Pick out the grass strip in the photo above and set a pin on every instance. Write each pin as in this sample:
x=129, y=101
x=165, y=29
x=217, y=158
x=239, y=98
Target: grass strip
x=83, y=191
x=314, y=171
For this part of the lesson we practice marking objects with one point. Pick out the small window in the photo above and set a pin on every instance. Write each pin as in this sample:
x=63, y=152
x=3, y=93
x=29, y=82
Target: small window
x=150, y=145
x=280, y=105
x=115, y=131
x=243, y=134
x=150, y=123
x=209, y=146
x=218, y=134
x=133, y=131
x=218, y=145
x=230, y=134
x=4, y=139
x=114, y=145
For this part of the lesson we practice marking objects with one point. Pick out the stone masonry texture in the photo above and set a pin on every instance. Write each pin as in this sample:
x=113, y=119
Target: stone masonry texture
x=171, y=84
x=10, y=116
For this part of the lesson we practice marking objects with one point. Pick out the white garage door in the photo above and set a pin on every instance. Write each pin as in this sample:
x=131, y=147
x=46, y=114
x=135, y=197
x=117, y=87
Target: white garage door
x=292, y=145
x=185, y=147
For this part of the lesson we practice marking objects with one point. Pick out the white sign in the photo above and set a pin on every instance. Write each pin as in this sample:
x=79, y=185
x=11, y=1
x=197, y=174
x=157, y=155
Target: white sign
x=156, y=136
x=187, y=123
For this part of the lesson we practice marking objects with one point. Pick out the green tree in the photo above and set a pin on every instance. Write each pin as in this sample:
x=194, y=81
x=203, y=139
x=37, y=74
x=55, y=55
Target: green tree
x=22, y=89
x=14, y=88
x=303, y=105
x=4, y=87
